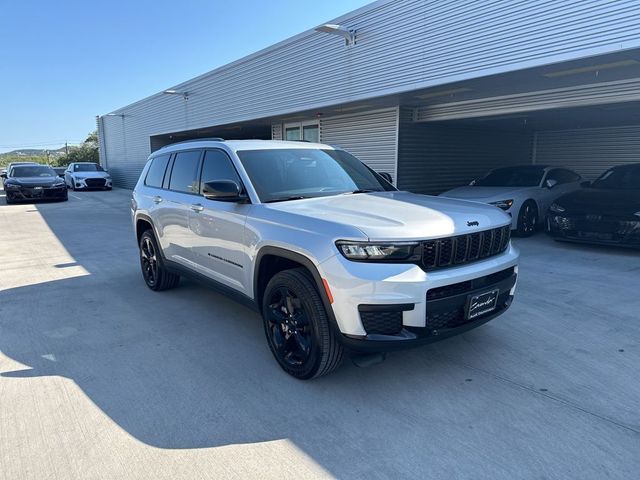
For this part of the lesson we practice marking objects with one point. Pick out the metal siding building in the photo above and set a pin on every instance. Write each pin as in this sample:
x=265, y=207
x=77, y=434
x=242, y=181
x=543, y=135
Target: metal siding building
x=434, y=92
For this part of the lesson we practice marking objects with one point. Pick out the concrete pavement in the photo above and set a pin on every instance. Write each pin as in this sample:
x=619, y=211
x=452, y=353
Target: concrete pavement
x=102, y=378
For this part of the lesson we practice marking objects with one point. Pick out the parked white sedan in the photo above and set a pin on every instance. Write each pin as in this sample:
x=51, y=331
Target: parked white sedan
x=524, y=192
x=81, y=175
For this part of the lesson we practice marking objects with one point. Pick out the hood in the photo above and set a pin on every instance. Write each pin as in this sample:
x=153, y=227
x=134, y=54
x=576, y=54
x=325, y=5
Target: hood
x=90, y=174
x=485, y=194
x=33, y=181
x=601, y=202
x=399, y=215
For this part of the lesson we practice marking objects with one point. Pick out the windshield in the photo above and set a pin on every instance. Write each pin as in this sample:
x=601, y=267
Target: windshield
x=512, y=177
x=620, y=178
x=288, y=174
x=33, y=171
x=87, y=167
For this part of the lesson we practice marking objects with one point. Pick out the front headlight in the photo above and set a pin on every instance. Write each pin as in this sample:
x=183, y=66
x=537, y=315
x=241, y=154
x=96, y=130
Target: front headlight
x=503, y=204
x=11, y=186
x=555, y=208
x=376, y=251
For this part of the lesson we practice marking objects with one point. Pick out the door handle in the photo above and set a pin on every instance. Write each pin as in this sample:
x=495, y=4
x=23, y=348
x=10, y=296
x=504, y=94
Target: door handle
x=196, y=207
x=157, y=199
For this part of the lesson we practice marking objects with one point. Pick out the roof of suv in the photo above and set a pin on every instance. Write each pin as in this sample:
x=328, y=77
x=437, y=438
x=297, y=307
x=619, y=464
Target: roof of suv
x=237, y=145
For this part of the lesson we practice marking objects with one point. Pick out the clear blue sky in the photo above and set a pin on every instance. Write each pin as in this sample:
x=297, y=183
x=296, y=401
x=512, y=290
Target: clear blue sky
x=63, y=63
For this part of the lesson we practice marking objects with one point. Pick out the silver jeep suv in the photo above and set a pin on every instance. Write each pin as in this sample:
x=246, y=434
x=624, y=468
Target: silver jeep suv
x=332, y=255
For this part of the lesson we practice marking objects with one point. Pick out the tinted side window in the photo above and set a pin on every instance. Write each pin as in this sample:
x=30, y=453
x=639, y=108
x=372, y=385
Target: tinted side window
x=184, y=175
x=156, y=171
x=217, y=166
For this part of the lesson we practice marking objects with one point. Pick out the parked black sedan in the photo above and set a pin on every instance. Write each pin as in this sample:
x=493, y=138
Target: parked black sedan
x=608, y=212
x=33, y=182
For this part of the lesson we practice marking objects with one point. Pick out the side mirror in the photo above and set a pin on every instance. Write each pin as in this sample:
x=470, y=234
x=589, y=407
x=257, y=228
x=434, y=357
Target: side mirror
x=586, y=183
x=550, y=183
x=225, y=190
x=3, y=175
x=386, y=176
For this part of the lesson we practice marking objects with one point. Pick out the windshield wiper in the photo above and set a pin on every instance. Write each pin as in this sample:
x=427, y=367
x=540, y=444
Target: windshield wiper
x=286, y=199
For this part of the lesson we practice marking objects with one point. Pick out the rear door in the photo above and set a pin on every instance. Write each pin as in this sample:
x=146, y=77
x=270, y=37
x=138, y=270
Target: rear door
x=218, y=227
x=172, y=214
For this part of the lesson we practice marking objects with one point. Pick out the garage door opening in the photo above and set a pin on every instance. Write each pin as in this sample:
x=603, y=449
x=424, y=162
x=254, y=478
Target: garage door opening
x=437, y=156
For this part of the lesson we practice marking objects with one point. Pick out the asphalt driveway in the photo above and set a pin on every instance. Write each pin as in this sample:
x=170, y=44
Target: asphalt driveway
x=102, y=378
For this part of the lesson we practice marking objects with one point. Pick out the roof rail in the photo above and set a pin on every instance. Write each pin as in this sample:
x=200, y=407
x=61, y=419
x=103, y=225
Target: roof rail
x=209, y=139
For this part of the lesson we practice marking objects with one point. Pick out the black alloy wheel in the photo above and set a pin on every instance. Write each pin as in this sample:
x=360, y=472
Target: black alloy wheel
x=156, y=276
x=297, y=327
x=149, y=261
x=527, y=219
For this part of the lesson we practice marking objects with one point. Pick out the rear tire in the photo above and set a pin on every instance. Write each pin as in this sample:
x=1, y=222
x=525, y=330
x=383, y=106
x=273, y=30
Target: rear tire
x=297, y=326
x=527, y=219
x=155, y=274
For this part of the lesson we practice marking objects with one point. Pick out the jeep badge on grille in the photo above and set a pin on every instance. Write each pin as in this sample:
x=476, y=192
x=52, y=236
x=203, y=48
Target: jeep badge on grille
x=473, y=223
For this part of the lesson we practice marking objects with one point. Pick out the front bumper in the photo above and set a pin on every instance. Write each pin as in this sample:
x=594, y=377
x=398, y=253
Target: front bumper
x=36, y=193
x=358, y=288
x=89, y=183
x=595, y=229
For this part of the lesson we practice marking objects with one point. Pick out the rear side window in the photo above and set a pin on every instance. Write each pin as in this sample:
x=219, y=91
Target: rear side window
x=217, y=166
x=184, y=175
x=156, y=171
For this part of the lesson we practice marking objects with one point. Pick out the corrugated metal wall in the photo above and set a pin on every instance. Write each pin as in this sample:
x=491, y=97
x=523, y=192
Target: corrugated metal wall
x=370, y=136
x=433, y=158
x=402, y=45
x=589, y=151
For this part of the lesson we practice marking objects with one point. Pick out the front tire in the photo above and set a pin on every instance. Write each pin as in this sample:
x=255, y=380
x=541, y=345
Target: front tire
x=297, y=326
x=155, y=274
x=527, y=219
x=8, y=200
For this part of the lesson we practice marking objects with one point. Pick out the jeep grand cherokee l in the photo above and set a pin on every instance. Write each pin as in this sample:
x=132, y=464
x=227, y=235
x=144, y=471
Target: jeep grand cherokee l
x=332, y=255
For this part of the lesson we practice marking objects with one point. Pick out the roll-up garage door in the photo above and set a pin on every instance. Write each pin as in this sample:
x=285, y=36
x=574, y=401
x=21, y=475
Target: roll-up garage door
x=589, y=151
x=370, y=136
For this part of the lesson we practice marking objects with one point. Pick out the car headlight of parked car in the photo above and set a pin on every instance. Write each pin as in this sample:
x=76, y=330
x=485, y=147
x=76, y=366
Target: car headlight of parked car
x=11, y=186
x=503, y=204
x=370, y=251
x=555, y=208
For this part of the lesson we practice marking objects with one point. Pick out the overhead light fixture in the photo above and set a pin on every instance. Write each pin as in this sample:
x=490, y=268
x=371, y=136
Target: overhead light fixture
x=185, y=95
x=333, y=29
x=442, y=93
x=591, y=68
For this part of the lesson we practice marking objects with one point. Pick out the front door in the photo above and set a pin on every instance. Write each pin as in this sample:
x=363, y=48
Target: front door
x=218, y=227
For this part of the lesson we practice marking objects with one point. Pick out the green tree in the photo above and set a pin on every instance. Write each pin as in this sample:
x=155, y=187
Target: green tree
x=87, y=151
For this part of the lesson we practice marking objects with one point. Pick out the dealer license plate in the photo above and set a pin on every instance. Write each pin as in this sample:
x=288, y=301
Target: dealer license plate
x=481, y=304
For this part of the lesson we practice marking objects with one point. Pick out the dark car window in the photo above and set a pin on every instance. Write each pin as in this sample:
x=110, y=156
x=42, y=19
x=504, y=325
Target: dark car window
x=525, y=176
x=33, y=171
x=184, y=174
x=620, y=178
x=156, y=171
x=562, y=175
x=217, y=166
x=87, y=167
x=279, y=174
